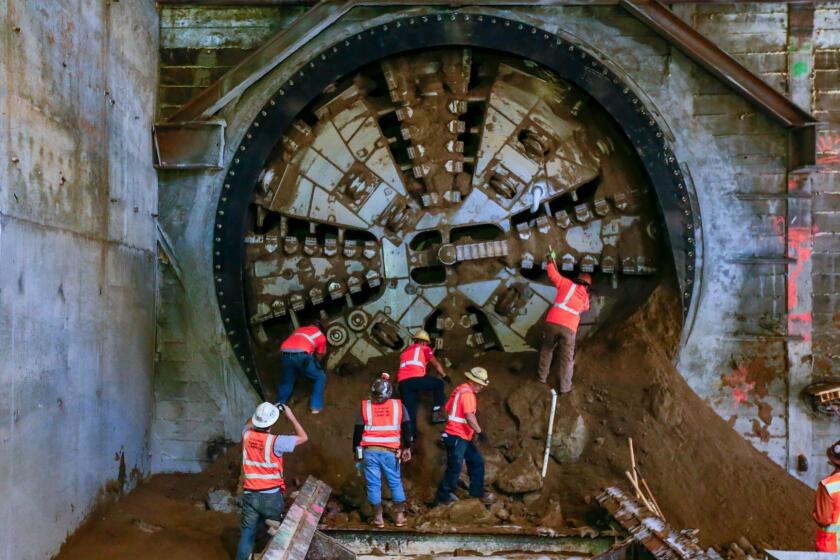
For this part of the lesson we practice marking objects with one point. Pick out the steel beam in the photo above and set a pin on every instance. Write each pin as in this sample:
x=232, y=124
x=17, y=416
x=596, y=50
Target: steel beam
x=455, y=3
x=714, y=59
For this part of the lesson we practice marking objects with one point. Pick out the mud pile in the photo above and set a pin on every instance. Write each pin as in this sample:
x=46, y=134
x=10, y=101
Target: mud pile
x=703, y=474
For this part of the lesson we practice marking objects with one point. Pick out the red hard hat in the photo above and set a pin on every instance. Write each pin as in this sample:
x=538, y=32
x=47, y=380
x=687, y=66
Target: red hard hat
x=585, y=278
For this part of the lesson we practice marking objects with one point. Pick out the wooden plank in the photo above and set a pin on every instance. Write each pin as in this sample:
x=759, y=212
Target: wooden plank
x=298, y=528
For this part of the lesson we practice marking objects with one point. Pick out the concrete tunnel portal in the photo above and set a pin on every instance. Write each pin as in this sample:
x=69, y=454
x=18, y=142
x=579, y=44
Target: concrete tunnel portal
x=419, y=182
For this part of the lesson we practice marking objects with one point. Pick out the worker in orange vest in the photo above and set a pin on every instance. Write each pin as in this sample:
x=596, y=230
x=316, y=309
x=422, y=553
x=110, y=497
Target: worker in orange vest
x=262, y=471
x=458, y=434
x=413, y=380
x=300, y=355
x=561, y=324
x=382, y=439
x=827, y=505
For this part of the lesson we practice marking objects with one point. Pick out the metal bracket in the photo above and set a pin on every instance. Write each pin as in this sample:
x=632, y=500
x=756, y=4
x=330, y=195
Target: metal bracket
x=190, y=145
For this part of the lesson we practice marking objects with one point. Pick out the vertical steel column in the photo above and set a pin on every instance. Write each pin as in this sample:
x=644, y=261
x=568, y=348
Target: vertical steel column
x=799, y=243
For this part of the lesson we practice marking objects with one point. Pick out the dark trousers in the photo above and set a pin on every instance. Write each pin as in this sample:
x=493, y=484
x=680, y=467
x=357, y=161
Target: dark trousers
x=256, y=508
x=297, y=364
x=458, y=451
x=557, y=355
x=410, y=390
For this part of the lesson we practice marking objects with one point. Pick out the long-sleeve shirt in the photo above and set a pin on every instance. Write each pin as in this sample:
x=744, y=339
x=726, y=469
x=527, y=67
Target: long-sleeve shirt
x=406, y=436
x=824, y=513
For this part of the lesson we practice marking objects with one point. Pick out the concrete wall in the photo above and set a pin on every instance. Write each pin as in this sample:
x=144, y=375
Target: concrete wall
x=78, y=197
x=750, y=348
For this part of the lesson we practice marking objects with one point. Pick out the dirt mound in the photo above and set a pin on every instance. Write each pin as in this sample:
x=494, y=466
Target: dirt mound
x=704, y=475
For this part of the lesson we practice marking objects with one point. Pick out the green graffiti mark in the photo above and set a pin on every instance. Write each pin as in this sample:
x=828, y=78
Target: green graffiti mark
x=799, y=69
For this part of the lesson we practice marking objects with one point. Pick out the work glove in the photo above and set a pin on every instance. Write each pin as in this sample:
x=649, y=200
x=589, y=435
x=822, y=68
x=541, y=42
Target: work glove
x=553, y=255
x=405, y=455
x=446, y=378
x=483, y=438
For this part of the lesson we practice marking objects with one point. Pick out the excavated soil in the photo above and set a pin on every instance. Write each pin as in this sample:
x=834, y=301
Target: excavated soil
x=703, y=474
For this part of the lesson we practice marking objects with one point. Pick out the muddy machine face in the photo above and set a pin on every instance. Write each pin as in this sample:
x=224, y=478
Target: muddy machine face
x=426, y=190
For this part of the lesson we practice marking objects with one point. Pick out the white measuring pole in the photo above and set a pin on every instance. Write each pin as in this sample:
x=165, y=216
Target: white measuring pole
x=550, y=431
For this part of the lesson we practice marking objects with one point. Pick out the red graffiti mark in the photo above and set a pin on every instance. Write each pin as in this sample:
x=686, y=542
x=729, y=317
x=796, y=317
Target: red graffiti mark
x=739, y=384
x=799, y=248
x=828, y=147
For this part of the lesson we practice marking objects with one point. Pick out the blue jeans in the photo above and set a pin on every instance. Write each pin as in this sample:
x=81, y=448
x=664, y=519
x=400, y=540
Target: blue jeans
x=294, y=365
x=256, y=508
x=377, y=462
x=410, y=390
x=459, y=450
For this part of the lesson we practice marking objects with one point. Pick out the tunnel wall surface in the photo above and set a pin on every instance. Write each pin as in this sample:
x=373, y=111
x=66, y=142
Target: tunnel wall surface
x=78, y=198
x=737, y=350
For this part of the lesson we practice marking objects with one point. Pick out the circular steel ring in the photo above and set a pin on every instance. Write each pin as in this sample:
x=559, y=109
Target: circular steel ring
x=569, y=61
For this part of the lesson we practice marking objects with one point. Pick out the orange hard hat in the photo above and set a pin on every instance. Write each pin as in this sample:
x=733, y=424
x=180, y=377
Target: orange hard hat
x=585, y=278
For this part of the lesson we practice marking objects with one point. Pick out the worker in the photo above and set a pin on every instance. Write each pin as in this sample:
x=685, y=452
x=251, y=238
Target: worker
x=827, y=505
x=413, y=380
x=561, y=324
x=262, y=471
x=382, y=439
x=458, y=434
x=300, y=354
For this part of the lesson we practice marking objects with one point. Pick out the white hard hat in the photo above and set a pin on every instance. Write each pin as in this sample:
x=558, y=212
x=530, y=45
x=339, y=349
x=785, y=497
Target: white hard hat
x=478, y=375
x=265, y=415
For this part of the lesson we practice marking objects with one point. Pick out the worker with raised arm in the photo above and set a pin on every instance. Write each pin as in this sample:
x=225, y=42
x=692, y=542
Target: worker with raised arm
x=461, y=429
x=300, y=355
x=381, y=440
x=827, y=505
x=557, y=352
x=413, y=380
x=263, y=485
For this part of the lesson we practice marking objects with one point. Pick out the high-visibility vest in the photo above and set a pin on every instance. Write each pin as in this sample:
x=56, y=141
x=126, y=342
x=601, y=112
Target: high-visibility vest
x=261, y=469
x=382, y=423
x=828, y=536
x=303, y=339
x=412, y=362
x=456, y=420
x=571, y=300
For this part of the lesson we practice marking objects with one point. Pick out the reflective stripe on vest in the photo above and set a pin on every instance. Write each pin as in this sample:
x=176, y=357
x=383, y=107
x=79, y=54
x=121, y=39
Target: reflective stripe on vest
x=394, y=427
x=562, y=305
x=261, y=473
x=415, y=360
x=453, y=412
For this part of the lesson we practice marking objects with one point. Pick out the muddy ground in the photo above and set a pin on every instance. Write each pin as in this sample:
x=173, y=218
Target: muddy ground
x=703, y=474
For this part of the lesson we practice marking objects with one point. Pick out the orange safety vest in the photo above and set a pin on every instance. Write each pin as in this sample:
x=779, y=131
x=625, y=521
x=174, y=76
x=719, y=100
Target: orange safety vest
x=261, y=469
x=456, y=422
x=828, y=537
x=412, y=363
x=304, y=338
x=382, y=423
x=570, y=302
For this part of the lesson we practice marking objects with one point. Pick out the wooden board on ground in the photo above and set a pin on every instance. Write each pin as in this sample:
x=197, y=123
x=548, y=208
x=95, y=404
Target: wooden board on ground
x=298, y=528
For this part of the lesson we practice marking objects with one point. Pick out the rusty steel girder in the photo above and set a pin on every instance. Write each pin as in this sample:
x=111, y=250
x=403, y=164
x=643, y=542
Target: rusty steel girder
x=393, y=191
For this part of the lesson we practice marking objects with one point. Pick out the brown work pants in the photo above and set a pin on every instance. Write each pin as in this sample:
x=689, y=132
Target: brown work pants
x=557, y=354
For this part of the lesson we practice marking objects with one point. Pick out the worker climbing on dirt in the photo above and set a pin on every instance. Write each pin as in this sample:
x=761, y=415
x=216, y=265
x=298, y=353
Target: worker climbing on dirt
x=413, y=380
x=262, y=471
x=557, y=352
x=381, y=440
x=458, y=434
x=300, y=355
x=827, y=505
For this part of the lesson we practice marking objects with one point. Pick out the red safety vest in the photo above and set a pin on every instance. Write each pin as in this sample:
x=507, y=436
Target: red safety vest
x=828, y=537
x=412, y=362
x=571, y=300
x=261, y=469
x=304, y=338
x=382, y=423
x=456, y=422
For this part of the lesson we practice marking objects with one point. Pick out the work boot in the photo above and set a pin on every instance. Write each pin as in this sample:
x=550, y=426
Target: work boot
x=488, y=498
x=378, y=521
x=452, y=498
x=438, y=415
x=399, y=514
